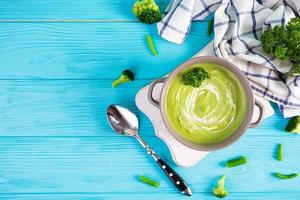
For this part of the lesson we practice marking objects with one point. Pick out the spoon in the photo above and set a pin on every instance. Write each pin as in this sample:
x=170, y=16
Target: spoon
x=125, y=122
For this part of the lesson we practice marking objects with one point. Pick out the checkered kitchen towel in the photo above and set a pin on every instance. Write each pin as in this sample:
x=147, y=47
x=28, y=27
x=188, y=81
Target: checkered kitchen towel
x=237, y=26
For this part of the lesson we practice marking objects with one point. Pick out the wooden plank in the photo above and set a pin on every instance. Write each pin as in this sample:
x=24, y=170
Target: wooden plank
x=110, y=166
x=150, y=196
x=69, y=9
x=89, y=50
x=62, y=108
x=78, y=107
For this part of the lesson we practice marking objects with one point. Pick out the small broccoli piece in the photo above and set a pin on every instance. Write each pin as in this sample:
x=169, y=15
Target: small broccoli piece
x=295, y=70
x=293, y=125
x=220, y=190
x=195, y=76
x=147, y=11
x=126, y=76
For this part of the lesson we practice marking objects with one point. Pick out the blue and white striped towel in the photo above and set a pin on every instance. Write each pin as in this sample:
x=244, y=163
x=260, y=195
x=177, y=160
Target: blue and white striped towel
x=237, y=26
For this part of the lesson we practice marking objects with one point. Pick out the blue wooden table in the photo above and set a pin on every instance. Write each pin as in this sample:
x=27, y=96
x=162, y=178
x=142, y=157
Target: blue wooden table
x=57, y=61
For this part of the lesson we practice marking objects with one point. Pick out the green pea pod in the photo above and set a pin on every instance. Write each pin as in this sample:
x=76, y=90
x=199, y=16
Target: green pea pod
x=151, y=45
x=279, y=152
x=210, y=27
x=236, y=162
x=149, y=181
x=285, y=176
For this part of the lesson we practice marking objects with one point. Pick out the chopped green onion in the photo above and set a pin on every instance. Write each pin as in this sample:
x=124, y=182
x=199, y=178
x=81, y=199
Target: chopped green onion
x=236, y=162
x=285, y=176
x=151, y=45
x=148, y=181
x=279, y=152
x=210, y=27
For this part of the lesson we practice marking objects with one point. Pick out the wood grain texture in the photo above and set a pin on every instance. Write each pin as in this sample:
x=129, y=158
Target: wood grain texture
x=61, y=107
x=149, y=196
x=69, y=9
x=55, y=140
x=78, y=107
x=86, y=164
x=58, y=59
x=89, y=50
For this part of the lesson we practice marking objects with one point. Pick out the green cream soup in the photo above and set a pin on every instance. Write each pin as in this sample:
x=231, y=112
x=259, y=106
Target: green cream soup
x=210, y=113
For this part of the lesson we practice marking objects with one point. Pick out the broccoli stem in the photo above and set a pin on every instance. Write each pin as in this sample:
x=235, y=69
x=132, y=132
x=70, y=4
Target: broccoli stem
x=221, y=182
x=118, y=81
x=126, y=76
x=220, y=190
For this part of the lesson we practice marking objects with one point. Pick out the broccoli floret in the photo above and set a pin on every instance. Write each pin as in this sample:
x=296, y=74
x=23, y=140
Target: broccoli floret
x=147, y=11
x=274, y=41
x=294, y=24
x=293, y=125
x=267, y=41
x=295, y=70
x=220, y=190
x=126, y=76
x=281, y=53
x=284, y=43
x=195, y=76
x=293, y=40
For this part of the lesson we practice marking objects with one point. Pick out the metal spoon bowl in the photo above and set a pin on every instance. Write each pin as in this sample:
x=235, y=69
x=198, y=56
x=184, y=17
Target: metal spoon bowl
x=125, y=122
x=122, y=120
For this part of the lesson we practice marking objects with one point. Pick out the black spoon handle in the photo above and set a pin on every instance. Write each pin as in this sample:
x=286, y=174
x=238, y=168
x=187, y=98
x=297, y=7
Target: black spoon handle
x=179, y=183
x=171, y=174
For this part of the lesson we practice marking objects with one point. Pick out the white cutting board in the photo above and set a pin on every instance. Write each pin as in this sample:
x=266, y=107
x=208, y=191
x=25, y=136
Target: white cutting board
x=182, y=155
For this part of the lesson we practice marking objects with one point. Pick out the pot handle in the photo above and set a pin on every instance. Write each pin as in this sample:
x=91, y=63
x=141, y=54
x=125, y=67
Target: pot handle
x=261, y=114
x=150, y=91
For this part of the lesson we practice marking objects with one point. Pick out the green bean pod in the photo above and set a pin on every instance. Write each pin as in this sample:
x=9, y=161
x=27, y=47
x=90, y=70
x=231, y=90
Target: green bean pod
x=151, y=45
x=279, y=152
x=210, y=27
x=148, y=181
x=236, y=162
x=285, y=176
